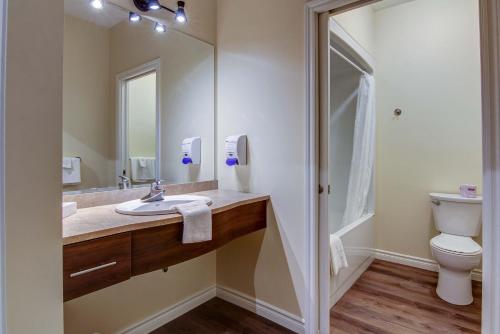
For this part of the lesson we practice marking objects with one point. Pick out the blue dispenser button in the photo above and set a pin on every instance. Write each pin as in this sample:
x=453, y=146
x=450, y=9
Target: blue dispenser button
x=232, y=161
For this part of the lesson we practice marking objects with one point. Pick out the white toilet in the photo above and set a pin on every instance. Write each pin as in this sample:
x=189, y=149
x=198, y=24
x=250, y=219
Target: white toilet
x=458, y=219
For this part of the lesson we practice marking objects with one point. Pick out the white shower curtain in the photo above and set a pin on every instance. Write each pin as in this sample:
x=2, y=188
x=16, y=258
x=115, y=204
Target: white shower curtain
x=363, y=155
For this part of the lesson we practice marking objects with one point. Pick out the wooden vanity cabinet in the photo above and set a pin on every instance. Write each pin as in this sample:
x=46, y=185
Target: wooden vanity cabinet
x=93, y=265
x=161, y=247
x=96, y=264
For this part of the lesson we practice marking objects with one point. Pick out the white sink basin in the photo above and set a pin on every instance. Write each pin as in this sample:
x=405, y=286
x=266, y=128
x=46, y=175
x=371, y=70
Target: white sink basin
x=139, y=208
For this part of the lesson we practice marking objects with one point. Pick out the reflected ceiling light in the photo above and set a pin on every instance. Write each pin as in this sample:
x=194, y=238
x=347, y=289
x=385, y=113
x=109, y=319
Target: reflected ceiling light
x=147, y=5
x=160, y=27
x=134, y=17
x=180, y=14
x=97, y=4
x=154, y=5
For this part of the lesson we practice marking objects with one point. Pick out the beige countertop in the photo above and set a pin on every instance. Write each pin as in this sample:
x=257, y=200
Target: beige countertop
x=101, y=221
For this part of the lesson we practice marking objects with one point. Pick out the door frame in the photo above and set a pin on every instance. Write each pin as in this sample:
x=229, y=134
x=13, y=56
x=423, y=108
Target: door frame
x=317, y=283
x=122, y=119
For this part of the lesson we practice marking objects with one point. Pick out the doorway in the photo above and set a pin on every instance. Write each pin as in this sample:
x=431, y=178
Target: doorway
x=320, y=175
x=138, y=143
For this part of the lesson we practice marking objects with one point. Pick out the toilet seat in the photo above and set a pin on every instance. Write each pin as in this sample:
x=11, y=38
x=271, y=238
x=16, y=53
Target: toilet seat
x=456, y=244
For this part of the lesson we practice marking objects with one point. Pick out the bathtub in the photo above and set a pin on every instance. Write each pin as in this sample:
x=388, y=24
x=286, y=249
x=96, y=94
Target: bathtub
x=358, y=244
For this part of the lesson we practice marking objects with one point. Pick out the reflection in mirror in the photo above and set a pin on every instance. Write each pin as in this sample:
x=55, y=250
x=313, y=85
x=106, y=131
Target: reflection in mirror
x=131, y=97
x=138, y=114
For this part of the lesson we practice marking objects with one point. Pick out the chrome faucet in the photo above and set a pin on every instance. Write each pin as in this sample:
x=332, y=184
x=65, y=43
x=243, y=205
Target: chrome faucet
x=156, y=192
x=124, y=182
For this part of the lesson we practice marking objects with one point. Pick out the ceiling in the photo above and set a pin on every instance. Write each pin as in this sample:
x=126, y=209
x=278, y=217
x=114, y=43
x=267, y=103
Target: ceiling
x=107, y=17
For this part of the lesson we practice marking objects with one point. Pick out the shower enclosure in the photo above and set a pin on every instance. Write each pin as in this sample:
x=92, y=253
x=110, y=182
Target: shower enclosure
x=351, y=148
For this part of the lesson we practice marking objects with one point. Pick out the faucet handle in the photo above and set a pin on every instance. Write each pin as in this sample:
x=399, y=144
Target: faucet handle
x=156, y=185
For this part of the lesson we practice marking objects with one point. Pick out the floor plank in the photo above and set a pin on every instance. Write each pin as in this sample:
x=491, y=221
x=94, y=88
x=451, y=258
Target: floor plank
x=217, y=316
x=395, y=299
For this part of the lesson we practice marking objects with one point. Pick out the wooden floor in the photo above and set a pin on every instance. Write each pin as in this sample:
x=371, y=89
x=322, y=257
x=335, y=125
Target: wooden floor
x=217, y=316
x=395, y=299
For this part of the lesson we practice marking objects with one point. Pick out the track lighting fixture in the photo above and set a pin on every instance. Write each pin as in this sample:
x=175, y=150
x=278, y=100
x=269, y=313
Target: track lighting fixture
x=147, y=5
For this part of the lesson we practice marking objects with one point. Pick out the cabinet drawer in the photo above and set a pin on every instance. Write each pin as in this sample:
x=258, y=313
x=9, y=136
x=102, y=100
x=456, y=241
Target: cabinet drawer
x=92, y=265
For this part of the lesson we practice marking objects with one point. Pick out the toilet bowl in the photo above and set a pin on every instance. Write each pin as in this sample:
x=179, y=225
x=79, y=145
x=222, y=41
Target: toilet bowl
x=458, y=219
x=457, y=256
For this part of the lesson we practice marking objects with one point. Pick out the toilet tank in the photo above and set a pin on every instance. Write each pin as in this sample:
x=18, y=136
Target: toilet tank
x=457, y=215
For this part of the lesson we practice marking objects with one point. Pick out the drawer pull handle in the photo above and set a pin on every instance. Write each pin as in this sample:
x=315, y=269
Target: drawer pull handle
x=86, y=271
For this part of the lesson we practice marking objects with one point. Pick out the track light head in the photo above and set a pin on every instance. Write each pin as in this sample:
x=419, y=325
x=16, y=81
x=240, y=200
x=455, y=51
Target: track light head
x=134, y=17
x=97, y=4
x=154, y=5
x=160, y=27
x=180, y=14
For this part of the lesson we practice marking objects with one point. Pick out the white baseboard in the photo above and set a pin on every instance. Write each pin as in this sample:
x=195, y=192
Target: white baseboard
x=266, y=310
x=349, y=282
x=170, y=313
x=416, y=262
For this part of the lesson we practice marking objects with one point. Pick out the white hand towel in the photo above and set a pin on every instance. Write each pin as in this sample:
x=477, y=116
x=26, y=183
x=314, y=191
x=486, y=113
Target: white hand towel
x=337, y=255
x=71, y=175
x=67, y=163
x=142, y=168
x=197, y=222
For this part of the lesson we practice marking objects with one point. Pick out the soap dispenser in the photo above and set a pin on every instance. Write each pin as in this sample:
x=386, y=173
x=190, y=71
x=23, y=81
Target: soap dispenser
x=191, y=151
x=236, y=150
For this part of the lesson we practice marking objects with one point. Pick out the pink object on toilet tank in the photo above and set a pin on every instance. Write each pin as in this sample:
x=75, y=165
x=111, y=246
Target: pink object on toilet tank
x=468, y=190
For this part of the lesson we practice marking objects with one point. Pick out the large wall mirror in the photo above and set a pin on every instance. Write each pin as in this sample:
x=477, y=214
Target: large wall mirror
x=133, y=92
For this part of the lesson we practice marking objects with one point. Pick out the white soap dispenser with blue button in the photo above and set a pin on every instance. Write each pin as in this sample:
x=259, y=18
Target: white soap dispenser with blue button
x=191, y=151
x=236, y=150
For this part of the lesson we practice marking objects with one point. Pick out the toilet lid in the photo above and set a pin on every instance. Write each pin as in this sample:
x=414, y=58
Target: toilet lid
x=456, y=244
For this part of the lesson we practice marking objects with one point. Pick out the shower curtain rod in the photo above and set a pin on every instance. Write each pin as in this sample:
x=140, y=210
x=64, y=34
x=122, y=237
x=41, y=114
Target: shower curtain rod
x=348, y=60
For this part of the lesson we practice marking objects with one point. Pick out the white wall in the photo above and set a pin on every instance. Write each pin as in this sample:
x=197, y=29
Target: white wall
x=260, y=93
x=428, y=64
x=33, y=143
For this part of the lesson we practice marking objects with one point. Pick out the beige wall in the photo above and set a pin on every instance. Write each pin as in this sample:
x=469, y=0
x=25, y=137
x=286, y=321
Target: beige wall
x=33, y=133
x=121, y=306
x=428, y=65
x=86, y=109
x=187, y=92
x=261, y=93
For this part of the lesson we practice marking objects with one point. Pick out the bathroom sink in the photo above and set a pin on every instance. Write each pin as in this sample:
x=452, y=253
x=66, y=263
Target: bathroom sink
x=164, y=207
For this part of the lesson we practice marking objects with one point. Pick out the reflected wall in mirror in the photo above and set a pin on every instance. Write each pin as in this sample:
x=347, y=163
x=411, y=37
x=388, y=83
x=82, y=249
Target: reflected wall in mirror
x=131, y=96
